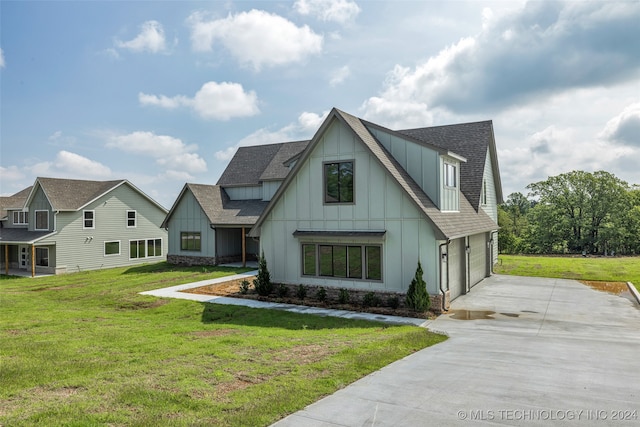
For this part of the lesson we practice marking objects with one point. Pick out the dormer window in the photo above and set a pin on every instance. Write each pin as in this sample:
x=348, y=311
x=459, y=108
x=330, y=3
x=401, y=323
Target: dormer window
x=20, y=218
x=450, y=175
x=338, y=182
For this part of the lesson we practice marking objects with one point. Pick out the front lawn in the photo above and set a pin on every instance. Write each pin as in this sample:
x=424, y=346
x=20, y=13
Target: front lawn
x=617, y=269
x=87, y=349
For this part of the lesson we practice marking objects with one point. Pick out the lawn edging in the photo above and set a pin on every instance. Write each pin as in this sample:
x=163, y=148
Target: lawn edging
x=634, y=291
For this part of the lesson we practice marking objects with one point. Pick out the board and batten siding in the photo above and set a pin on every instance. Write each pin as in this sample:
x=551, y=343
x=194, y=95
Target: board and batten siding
x=188, y=216
x=39, y=202
x=253, y=192
x=491, y=207
x=380, y=204
x=80, y=249
x=269, y=188
x=422, y=163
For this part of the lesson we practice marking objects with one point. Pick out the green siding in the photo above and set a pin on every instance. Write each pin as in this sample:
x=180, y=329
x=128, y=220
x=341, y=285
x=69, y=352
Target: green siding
x=189, y=216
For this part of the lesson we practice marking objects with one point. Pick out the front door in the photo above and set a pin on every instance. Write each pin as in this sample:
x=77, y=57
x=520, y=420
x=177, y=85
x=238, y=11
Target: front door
x=23, y=256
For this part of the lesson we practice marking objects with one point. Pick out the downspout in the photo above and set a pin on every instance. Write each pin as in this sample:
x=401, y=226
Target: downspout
x=442, y=291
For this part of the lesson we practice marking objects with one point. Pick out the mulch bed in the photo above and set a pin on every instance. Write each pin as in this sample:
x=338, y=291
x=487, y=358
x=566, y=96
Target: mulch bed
x=232, y=289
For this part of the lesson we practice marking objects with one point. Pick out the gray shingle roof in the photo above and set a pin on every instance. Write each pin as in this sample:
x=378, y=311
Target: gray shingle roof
x=278, y=168
x=470, y=140
x=215, y=203
x=15, y=201
x=21, y=235
x=72, y=194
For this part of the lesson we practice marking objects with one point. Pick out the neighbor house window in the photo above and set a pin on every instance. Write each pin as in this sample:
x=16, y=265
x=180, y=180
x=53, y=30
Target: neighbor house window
x=89, y=219
x=449, y=175
x=20, y=218
x=112, y=248
x=342, y=261
x=42, y=257
x=131, y=219
x=42, y=220
x=145, y=248
x=338, y=182
x=190, y=241
x=484, y=192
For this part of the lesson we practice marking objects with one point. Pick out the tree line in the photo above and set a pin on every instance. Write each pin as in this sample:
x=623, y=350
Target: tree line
x=575, y=212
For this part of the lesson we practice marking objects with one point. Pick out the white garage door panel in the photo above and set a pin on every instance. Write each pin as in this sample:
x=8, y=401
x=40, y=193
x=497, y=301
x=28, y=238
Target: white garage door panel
x=478, y=258
x=456, y=263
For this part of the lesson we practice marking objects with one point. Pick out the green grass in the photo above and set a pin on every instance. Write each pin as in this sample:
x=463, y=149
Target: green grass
x=623, y=269
x=86, y=349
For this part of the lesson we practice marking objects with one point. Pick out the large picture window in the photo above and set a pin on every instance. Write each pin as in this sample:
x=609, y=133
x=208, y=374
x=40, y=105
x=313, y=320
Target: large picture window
x=147, y=248
x=42, y=220
x=190, y=241
x=338, y=182
x=342, y=261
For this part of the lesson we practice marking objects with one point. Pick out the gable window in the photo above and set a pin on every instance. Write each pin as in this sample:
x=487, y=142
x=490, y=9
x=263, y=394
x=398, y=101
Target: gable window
x=42, y=220
x=338, y=182
x=112, y=248
x=362, y=262
x=190, y=241
x=88, y=219
x=42, y=257
x=131, y=219
x=20, y=218
x=450, y=175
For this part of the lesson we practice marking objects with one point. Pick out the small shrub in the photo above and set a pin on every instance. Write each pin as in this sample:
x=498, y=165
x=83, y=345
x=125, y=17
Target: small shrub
x=262, y=282
x=393, y=302
x=321, y=294
x=283, y=290
x=343, y=296
x=301, y=292
x=417, y=295
x=244, y=287
x=370, y=299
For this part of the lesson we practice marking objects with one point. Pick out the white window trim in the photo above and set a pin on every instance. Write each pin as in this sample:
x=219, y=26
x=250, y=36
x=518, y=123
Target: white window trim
x=483, y=196
x=93, y=220
x=35, y=218
x=104, y=250
x=135, y=219
x=146, y=248
x=446, y=174
x=23, y=218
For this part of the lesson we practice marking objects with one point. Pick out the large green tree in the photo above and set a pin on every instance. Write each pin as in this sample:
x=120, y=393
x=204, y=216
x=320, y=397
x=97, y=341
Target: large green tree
x=583, y=209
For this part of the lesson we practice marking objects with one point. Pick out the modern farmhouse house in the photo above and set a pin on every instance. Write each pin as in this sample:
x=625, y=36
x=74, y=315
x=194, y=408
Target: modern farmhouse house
x=356, y=207
x=65, y=225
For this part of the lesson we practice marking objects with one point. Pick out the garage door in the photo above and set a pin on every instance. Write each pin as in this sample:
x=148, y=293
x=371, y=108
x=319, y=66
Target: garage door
x=478, y=258
x=456, y=261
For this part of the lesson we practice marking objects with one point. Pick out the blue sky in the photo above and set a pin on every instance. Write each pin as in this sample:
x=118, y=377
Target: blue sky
x=162, y=93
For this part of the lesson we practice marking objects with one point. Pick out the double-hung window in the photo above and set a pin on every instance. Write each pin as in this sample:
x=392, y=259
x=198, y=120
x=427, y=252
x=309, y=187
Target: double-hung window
x=338, y=182
x=131, y=219
x=89, y=219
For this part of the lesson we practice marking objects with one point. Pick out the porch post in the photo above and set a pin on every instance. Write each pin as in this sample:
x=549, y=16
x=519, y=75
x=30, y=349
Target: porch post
x=244, y=249
x=6, y=259
x=33, y=260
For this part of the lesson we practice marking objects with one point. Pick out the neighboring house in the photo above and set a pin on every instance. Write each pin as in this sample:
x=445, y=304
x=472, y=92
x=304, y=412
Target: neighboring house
x=208, y=224
x=64, y=225
x=363, y=204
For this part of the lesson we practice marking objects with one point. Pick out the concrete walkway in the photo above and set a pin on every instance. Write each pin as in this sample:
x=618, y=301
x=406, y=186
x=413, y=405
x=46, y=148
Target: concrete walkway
x=176, y=292
x=533, y=352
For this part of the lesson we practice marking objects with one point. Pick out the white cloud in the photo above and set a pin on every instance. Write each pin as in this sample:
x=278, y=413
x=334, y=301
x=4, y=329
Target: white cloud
x=2, y=63
x=71, y=165
x=340, y=11
x=150, y=39
x=255, y=38
x=215, y=101
x=340, y=75
x=304, y=128
x=544, y=48
x=169, y=152
x=625, y=127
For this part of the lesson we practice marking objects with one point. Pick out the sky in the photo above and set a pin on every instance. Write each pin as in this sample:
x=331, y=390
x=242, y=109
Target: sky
x=162, y=93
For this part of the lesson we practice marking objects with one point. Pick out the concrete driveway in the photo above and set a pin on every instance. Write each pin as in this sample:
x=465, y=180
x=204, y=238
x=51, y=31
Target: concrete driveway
x=536, y=352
